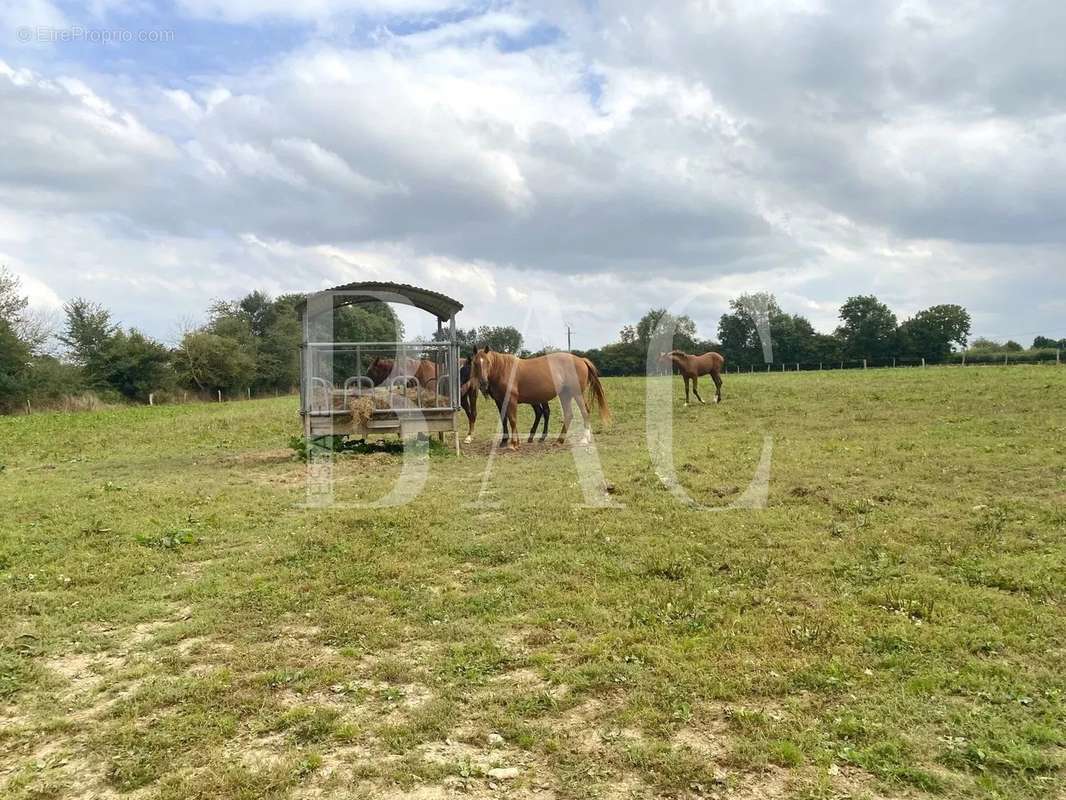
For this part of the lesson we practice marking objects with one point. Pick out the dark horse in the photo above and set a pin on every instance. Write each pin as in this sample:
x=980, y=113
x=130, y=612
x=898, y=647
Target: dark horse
x=691, y=367
x=468, y=400
x=421, y=370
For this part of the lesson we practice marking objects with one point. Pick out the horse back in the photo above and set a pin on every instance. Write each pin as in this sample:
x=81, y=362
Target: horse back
x=708, y=362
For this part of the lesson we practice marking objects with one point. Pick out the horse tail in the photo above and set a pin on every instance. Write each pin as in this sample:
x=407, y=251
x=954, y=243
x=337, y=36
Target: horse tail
x=596, y=389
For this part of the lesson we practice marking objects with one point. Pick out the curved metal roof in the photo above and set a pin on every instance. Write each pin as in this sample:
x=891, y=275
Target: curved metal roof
x=440, y=305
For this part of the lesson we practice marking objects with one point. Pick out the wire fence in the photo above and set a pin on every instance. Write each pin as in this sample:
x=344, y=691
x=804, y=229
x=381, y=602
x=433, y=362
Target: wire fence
x=1025, y=357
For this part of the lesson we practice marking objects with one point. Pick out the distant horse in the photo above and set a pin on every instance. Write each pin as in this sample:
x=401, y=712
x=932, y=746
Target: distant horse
x=468, y=399
x=512, y=380
x=691, y=367
x=422, y=370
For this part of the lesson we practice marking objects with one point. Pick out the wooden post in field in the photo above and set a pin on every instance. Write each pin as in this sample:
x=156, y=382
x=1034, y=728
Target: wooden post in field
x=782, y=366
x=185, y=397
x=220, y=395
x=864, y=363
x=964, y=358
x=767, y=367
x=151, y=398
x=797, y=367
x=842, y=365
x=249, y=392
x=893, y=361
x=1004, y=359
x=923, y=362
x=28, y=409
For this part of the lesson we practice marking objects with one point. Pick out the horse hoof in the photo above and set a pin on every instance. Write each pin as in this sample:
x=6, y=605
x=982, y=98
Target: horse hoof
x=468, y=440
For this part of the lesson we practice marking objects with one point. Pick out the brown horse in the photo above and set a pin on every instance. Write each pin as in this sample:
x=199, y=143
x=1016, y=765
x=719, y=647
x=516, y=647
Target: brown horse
x=468, y=400
x=691, y=367
x=512, y=380
x=422, y=370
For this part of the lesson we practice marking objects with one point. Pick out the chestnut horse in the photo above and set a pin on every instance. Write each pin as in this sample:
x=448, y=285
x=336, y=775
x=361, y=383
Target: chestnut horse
x=468, y=400
x=512, y=380
x=422, y=370
x=691, y=367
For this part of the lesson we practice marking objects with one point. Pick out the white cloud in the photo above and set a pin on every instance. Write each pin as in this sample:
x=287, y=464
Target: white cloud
x=644, y=152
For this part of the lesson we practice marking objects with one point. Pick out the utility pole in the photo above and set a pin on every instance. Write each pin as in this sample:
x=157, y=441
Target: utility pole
x=568, y=333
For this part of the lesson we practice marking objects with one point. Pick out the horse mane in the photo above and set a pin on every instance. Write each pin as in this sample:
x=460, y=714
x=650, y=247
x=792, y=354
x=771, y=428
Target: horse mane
x=498, y=365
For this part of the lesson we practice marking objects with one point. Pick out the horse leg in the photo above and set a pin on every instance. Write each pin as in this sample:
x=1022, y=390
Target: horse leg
x=512, y=418
x=503, y=421
x=685, y=379
x=546, y=410
x=469, y=402
x=696, y=389
x=568, y=414
x=583, y=407
x=717, y=386
x=536, y=421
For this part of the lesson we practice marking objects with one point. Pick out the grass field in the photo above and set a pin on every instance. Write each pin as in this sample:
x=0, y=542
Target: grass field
x=178, y=626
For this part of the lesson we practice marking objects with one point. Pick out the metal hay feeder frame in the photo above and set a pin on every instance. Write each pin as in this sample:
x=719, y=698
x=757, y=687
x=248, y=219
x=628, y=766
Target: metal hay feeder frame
x=325, y=395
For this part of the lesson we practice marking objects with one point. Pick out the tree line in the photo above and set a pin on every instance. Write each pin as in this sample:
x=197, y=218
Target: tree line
x=756, y=331
x=252, y=344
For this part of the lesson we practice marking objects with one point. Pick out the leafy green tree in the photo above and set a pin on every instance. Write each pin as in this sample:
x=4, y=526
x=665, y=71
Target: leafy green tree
x=868, y=329
x=14, y=367
x=1044, y=343
x=133, y=365
x=934, y=332
x=982, y=344
x=659, y=319
x=211, y=362
x=31, y=329
x=620, y=358
x=738, y=329
x=503, y=338
x=88, y=330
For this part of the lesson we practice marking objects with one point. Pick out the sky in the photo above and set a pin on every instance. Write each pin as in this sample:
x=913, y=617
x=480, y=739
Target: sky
x=604, y=156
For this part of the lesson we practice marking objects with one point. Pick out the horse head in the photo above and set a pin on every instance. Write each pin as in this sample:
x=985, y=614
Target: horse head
x=379, y=370
x=481, y=365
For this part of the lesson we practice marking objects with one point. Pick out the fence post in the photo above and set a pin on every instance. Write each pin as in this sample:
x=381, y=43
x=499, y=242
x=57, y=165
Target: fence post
x=28, y=409
x=151, y=398
x=220, y=395
x=185, y=397
x=964, y=358
x=1058, y=356
x=249, y=392
x=797, y=367
x=1005, y=359
x=893, y=361
x=819, y=366
x=923, y=362
x=864, y=363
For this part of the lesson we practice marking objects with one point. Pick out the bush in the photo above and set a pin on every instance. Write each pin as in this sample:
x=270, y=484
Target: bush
x=997, y=357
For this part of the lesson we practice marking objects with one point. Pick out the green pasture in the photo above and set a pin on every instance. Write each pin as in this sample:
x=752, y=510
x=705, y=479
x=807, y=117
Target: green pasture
x=177, y=623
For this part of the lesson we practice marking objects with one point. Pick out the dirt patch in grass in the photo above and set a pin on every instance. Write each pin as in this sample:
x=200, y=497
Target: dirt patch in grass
x=83, y=673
